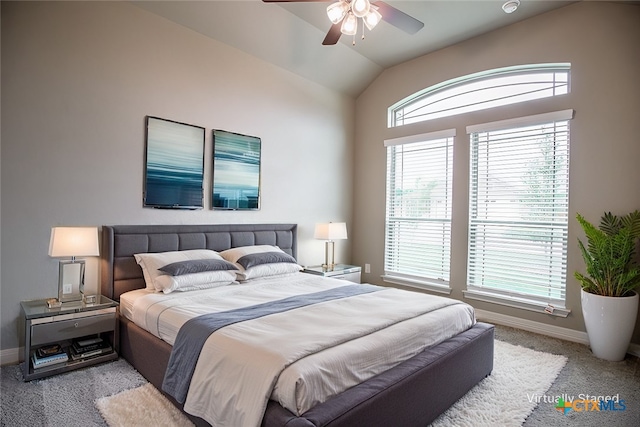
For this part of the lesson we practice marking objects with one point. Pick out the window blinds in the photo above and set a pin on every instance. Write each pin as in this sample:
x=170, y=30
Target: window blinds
x=418, y=214
x=518, y=208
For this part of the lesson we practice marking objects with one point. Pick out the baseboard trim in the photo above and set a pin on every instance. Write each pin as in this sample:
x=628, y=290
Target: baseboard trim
x=10, y=356
x=543, y=329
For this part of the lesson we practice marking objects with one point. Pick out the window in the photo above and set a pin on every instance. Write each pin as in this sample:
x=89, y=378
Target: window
x=518, y=190
x=418, y=215
x=518, y=208
x=480, y=91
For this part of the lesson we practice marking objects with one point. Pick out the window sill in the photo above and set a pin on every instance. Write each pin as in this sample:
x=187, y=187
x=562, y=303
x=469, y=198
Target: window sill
x=419, y=284
x=514, y=302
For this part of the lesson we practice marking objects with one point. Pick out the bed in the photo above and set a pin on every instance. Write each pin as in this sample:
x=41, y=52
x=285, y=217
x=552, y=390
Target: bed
x=411, y=393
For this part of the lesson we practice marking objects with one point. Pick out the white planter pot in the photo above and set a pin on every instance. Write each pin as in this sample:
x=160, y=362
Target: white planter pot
x=610, y=322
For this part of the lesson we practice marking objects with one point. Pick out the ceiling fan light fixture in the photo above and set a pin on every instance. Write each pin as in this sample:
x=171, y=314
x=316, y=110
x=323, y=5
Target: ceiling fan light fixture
x=349, y=25
x=337, y=11
x=360, y=8
x=372, y=19
x=510, y=6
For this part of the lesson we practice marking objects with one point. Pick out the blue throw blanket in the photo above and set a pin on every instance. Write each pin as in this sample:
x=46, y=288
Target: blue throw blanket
x=193, y=334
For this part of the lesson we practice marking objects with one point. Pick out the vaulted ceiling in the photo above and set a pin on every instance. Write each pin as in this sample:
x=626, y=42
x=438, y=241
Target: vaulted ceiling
x=289, y=35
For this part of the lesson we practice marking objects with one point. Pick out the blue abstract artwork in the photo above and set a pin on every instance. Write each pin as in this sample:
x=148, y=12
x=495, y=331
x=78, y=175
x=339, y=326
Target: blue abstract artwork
x=174, y=165
x=236, y=171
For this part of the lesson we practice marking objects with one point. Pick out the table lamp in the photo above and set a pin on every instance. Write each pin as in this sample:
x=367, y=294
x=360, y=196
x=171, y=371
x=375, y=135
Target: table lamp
x=330, y=231
x=72, y=242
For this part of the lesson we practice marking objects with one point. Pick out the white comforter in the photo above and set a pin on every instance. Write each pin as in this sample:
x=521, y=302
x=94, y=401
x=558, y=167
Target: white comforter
x=301, y=357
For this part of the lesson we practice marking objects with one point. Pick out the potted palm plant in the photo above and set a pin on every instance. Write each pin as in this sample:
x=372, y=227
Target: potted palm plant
x=609, y=297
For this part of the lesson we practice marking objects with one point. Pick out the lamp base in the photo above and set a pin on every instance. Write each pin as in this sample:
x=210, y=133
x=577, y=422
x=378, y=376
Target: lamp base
x=329, y=252
x=71, y=280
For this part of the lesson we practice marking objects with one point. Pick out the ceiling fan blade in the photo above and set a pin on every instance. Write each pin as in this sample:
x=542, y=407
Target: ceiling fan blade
x=333, y=35
x=397, y=18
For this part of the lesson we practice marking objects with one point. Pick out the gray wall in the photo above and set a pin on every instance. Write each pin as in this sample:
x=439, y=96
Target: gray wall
x=78, y=79
x=602, y=42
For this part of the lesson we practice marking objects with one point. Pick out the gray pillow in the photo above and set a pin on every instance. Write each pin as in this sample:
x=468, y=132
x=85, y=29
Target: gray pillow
x=197, y=266
x=250, y=260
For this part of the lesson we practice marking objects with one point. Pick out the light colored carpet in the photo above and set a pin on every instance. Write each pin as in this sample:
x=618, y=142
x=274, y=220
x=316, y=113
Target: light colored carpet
x=505, y=398
x=68, y=399
x=141, y=407
x=62, y=400
x=508, y=395
x=583, y=374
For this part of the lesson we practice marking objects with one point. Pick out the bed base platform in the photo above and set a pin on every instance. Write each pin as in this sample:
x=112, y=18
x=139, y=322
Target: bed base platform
x=414, y=393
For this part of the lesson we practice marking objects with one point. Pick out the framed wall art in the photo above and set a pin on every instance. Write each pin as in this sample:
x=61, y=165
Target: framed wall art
x=236, y=171
x=174, y=165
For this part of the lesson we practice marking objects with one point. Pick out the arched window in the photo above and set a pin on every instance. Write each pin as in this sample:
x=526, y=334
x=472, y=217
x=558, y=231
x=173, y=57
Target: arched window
x=480, y=91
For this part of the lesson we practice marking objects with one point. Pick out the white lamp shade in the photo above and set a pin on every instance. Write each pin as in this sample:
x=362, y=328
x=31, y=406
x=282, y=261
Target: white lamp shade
x=372, y=19
x=73, y=241
x=331, y=231
x=336, y=11
x=349, y=25
x=360, y=7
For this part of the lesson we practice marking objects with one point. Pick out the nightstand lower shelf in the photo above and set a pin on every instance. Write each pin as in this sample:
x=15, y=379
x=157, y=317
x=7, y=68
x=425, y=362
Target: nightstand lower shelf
x=31, y=373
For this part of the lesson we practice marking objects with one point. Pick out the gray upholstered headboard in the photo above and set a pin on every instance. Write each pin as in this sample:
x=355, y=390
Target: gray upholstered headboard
x=120, y=273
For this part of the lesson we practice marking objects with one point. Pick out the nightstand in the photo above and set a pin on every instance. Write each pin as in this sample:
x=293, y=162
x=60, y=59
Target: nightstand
x=339, y=271
x=45, y=327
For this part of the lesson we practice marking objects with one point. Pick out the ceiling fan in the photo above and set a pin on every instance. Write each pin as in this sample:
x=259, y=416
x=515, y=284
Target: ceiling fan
x=344, y=15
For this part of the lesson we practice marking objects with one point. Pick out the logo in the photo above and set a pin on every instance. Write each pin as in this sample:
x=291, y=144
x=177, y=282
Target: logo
x=588, y=403
x=563, y=406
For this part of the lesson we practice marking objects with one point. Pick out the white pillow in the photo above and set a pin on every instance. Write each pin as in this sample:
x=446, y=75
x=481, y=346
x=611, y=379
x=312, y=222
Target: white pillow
x=194, y=281
x=151, y=262
x=265, y=270
x=232, y=255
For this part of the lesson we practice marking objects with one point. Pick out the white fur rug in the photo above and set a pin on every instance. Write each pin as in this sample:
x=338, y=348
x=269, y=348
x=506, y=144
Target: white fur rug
x=141, y=407
x=508, y=395
x=505, y=398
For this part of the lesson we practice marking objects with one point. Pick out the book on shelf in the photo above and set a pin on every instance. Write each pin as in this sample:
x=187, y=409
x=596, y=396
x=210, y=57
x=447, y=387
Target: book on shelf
x=82, y=345
x=49, y=350
x=88, y=341
x=79, y=352
x=52, y=359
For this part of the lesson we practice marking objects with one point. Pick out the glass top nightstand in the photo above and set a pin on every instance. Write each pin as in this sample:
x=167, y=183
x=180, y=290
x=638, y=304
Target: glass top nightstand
x=35, y=309
x=339, y=271
x=61, y=327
